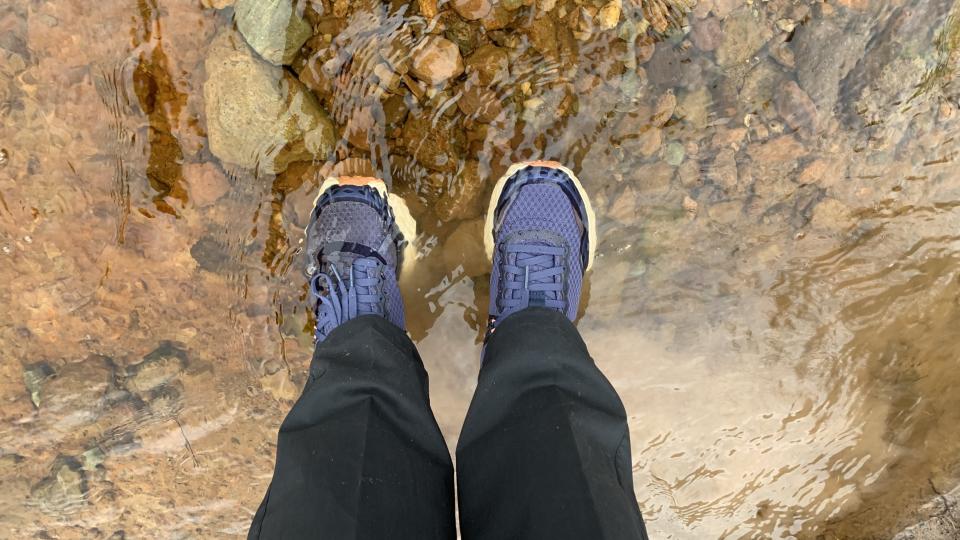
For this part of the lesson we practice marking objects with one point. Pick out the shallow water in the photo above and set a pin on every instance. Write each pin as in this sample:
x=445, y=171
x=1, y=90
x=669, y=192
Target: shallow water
x=776, y=298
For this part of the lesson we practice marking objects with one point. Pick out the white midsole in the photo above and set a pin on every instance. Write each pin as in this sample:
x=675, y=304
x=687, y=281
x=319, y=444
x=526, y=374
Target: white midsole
x=488, y=240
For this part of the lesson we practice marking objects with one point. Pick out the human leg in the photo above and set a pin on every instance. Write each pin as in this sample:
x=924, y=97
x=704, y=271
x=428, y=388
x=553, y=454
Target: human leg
x=545, y=449
x=360, y=455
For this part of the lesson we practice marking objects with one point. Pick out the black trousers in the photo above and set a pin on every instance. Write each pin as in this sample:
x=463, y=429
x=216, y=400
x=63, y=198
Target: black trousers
x=544, y=452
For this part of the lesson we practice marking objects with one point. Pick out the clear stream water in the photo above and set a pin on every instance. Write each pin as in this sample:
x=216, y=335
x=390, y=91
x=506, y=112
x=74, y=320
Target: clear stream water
x=776, y=298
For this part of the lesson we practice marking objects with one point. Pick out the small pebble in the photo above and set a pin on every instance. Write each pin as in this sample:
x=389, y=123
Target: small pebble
x=946, y=111
x=638, y=269
x=628, y=31
x=666, y=106
x=630, y=84
x=675, y=154
x=609, y=15
x=786, y=25
x=4, y=157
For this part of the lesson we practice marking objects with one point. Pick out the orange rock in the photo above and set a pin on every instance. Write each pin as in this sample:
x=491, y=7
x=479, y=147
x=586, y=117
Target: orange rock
x=437, y=60
x=428, y=8
x=472, y=10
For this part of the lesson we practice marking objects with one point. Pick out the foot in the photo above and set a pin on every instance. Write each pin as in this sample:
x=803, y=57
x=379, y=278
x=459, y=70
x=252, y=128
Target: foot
x=541, y=236
x=354, y=250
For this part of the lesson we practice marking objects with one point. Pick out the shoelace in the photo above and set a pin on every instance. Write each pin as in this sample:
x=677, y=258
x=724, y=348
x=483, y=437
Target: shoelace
x=339, y=301
x=533, y=275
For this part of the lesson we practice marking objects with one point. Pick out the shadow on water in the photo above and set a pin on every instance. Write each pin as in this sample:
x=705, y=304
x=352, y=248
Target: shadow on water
x=161, y=101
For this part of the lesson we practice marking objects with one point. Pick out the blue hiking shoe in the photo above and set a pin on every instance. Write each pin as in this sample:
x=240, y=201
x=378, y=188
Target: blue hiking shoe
x=541, y=236
x=354, y=252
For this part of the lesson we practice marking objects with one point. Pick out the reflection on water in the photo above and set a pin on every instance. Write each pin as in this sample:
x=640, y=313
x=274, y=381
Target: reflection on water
x=776, y=297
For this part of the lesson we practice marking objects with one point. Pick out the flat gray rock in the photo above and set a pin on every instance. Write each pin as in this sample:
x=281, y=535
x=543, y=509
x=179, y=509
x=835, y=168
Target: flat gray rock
x=826, y=51
x=273, y=28
x=258, y=115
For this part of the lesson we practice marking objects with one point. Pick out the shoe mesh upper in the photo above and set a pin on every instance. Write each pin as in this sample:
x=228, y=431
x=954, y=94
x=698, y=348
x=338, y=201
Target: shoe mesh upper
x=533, y=207
x=352, y=233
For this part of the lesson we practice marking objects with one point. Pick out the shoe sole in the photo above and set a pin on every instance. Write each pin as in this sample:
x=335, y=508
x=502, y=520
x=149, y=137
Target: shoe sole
x=401, y=212
x=591, y=218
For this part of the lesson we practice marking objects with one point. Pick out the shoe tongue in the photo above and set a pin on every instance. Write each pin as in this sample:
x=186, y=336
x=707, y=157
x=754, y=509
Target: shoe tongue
x=341, y=261
x=537, y=238
x=351, y=249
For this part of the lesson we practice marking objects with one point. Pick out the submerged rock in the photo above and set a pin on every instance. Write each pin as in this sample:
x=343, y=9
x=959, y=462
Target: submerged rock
x=609, y=15
x=490, y=63
x=666, y=105
x=675, y=154
x=772, y=163
x=707, y=34
x=542, y=33
x=34, y=376
x=652, y=178
x=646, y=143
x=158, y=368
x=273, y=28
x=624, y=207
x=722, y=8
x=783, y=54
x=499, y=18
x=213, y=255
x=207, y=183
x=903, y=64
x=825, y=53
x=466, y=35
x=743, y=36
x=436, y=60
x=480, y=104
x=795, y=107
x=277, y=383
x=723, y=170
x=92, y=458
x=428, y=8
x=64, y=489
x=760, y=86
x=472, y=9
x=694, y=107
x=831, y=214
x=436, y=145
x=75, y=394
x=258, y=115
x=690, y=206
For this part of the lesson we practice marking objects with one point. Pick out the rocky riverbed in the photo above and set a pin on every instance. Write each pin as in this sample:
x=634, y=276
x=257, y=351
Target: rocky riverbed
x=776, y=298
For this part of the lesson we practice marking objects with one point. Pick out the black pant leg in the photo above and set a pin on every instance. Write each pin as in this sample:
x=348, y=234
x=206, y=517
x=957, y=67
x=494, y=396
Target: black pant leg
x=360, y=455
x=545, y=449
